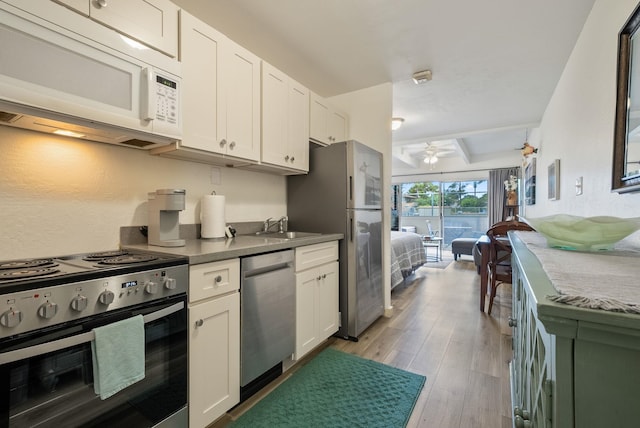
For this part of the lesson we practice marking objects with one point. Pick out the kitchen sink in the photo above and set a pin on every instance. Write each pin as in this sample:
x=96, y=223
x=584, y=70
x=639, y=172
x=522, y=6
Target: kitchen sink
x=287, y=235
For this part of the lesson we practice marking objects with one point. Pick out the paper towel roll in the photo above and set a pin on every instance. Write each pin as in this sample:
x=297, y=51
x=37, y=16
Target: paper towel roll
x=212, y=216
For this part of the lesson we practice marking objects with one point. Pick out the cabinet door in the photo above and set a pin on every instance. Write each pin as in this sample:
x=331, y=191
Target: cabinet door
x=152, y=22
x=214, y=358
x=328, y=300
x=318, y=119
x=200, y=52
x=338, y=125
x=275, y=105
x=241, y=78
x=298, y=126
x=306, y=311
x=533, y=356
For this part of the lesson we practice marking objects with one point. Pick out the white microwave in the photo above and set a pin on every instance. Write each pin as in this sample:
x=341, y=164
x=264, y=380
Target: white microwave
x=57, y=79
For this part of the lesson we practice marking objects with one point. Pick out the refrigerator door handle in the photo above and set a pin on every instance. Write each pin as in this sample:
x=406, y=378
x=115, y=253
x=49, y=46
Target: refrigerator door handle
x=351, y=188
x=351, y=229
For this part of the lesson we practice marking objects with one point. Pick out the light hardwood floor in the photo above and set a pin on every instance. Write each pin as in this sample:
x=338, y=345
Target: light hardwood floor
x=437, y=330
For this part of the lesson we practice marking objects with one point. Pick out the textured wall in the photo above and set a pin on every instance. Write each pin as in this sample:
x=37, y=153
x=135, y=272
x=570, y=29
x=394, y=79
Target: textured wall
x=577, y=126
x=62, y=196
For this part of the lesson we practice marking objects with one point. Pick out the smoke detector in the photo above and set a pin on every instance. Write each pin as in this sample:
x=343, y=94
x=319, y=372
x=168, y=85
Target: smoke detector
x=421, y=77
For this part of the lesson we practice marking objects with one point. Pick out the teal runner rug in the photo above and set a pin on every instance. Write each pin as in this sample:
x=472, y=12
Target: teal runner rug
x=336, y=389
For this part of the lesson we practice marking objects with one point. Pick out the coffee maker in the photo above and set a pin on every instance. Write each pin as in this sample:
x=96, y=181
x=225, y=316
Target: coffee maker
x=164, y=211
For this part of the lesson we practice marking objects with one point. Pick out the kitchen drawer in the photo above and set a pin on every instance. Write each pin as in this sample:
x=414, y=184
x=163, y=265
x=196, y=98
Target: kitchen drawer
x=213, y=279
x=315, y=255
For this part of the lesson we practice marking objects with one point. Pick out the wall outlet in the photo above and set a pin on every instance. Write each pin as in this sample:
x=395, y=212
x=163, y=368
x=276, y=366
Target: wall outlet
x=579, y=186
x=216, y=175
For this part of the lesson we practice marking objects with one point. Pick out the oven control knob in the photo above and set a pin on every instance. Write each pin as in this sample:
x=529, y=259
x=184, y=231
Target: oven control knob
x=79, y=303
x=170, y=283
x=106, y=297
x=48, y=310
x=151, y=287
x=11, y=318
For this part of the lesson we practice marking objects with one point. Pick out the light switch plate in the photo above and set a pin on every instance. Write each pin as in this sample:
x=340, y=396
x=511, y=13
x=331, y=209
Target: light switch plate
x=579, y=186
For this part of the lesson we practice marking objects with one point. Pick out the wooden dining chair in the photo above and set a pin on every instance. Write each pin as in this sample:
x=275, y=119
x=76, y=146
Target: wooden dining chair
x=500, y=255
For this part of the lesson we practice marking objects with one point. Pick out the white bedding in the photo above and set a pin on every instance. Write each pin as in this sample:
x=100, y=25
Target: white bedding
x=407, y=254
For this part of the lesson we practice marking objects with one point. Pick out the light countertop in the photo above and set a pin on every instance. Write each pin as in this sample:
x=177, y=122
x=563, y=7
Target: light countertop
x=200, y=250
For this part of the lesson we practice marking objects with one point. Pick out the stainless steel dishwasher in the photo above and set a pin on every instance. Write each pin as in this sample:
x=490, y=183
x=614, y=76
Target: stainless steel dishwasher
x=267, y=317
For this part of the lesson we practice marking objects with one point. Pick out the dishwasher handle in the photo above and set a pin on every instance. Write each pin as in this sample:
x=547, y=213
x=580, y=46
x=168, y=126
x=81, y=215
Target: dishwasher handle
x=266, y=269
x=266, y=263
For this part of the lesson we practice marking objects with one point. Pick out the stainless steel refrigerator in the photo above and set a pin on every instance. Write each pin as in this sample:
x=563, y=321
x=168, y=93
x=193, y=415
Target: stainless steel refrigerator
x=342, y=194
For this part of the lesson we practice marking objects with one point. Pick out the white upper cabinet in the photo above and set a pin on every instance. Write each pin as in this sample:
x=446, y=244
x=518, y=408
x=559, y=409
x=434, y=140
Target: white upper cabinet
x=285, y=120
x=221, y=96
x=241, y=77
x=327, y=125
x=151, y=22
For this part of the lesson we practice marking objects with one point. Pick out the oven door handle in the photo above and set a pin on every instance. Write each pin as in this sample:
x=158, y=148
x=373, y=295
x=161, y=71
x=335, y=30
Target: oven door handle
x=68, y=342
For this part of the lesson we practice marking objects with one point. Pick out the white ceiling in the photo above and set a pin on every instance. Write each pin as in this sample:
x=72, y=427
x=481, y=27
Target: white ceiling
x=495, y=63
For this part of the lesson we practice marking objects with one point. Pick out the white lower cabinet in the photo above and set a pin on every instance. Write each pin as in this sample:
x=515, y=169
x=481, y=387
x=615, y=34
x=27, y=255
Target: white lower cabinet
x=214, y=340
x=316, y=295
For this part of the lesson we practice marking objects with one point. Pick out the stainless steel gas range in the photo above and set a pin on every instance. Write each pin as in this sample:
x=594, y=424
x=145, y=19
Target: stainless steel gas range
x=48, y=309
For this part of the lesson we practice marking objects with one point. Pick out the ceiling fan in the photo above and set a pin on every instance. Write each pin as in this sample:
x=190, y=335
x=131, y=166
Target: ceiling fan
x=432, y=152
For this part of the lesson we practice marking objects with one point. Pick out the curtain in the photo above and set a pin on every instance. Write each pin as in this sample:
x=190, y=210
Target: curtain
x=497, y=194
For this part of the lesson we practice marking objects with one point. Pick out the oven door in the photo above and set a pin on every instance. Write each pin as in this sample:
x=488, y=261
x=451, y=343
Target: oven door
x=48, y=379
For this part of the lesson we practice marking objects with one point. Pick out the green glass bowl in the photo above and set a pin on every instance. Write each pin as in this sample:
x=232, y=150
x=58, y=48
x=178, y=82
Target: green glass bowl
x=570, y=232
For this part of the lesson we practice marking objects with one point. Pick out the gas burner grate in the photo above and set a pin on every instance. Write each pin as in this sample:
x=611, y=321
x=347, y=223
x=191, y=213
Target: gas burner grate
x=128, y=259
x=11, y=275
x=27, y=264
x=96, y=257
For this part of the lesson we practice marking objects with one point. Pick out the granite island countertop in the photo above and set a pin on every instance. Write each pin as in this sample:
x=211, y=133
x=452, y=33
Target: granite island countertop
x=200, y=250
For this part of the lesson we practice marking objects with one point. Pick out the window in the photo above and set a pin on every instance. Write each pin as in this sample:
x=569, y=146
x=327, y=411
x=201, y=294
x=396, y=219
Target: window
x=452, y=209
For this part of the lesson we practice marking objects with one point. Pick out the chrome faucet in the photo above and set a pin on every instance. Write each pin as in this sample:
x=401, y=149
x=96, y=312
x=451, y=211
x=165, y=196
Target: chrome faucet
x=268, y=225
x=283, y=224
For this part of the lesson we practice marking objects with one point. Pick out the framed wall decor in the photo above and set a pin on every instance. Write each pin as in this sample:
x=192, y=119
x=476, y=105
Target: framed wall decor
x=530, y=182
x=554, y=180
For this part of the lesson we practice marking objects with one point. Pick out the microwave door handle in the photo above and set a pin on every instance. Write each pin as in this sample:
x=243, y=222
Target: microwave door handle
x=68, y=342
x=148, y=101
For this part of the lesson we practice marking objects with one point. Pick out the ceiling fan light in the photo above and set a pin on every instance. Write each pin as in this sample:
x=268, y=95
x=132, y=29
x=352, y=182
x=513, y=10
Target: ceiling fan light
x=430, y=160
x=396, y=123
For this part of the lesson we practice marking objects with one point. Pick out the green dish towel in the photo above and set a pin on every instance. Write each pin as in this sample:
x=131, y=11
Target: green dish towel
x=118, y=356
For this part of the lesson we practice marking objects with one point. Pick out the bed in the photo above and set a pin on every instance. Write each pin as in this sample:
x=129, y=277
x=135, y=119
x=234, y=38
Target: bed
x=407, y=254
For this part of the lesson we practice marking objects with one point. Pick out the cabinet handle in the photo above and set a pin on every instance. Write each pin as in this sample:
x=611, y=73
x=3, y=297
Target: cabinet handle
x=232, y=144
x=199, y=323
x=102, y=3
x=324, y=276
x=292, y=159
x=223, y=142
x=319, y=277
x=286, y=158
x=218, y=279
x=513, y=322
